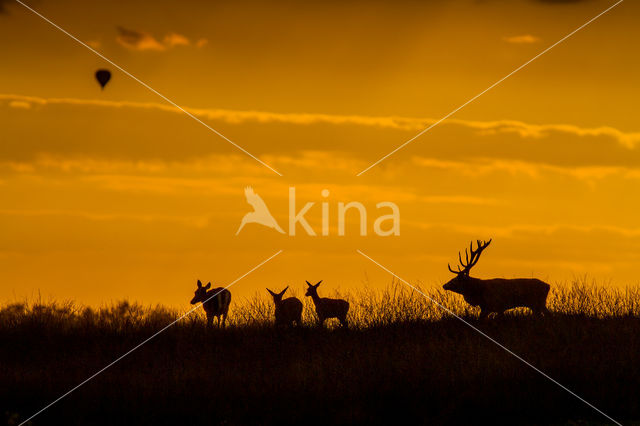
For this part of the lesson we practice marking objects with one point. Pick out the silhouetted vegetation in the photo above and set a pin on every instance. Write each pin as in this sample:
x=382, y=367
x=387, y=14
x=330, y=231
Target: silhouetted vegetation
x=402, y=360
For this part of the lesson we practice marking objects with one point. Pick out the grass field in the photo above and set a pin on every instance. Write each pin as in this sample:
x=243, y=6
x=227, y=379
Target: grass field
x=401, y=361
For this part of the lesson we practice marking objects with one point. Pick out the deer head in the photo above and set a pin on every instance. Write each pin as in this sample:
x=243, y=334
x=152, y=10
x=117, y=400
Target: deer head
x=462, y=274
x=277, y=297
x=312, y=289
x=201, y=293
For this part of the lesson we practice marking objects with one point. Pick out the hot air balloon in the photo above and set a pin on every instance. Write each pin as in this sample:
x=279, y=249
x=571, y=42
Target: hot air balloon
x=103, y=77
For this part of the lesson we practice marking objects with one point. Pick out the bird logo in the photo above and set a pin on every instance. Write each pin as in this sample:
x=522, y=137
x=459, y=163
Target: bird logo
x=260, y=213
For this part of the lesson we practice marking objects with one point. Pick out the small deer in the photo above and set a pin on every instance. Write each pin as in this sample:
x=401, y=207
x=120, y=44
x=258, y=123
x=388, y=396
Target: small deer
x=497, y=294
x=215, y=302
x=327, y=308
x=288, y=311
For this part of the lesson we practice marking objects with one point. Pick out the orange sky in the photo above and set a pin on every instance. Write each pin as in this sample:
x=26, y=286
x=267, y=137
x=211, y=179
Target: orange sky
x=115, y=193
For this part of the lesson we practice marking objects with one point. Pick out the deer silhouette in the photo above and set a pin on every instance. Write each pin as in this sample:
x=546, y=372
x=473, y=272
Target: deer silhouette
x=327, y=308
x=215, y=302
x=498, y=294
x=288, y=311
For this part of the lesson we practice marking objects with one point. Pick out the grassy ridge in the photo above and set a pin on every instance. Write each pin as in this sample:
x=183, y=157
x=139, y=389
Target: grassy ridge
x=401, y=357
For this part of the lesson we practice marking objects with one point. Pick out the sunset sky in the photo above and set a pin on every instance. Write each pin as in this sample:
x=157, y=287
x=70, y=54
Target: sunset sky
x=117, y=194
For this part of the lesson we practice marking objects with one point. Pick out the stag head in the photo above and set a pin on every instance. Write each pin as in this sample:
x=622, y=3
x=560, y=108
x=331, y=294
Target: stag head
x=462, y=273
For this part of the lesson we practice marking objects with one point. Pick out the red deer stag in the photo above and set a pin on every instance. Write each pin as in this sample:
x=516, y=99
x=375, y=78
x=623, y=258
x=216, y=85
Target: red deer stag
x=328, y=308
x=215, y=302
x=288, y=311
x=498, y=294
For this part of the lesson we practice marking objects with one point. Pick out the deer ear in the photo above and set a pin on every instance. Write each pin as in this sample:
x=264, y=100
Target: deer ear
x=199, y=284
x=318, y=283
x=284, y=291
x=207, y=286
x=271, y=293
x=309, y=284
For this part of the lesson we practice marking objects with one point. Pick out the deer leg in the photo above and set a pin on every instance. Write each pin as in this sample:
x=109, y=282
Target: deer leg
x=209, y=321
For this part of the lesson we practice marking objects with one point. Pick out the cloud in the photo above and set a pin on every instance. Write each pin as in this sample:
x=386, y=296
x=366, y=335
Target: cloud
x=94, y=43
x=202, y=43
x=136, y=40
x=526, y=247
x=522, y=230
x=224, y=165
x=141, y=41
x=482, y=167
x=173, y=39
x=561, y=1
x=20, y=104
x=522, y=39
x=627, y=140
x=197, y=221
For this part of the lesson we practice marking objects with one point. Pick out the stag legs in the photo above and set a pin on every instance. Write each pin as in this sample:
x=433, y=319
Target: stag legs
x=343, y=322
x=484, y=313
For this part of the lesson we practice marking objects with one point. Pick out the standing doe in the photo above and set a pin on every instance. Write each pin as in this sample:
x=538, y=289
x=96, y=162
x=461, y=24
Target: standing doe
x=328, y=308
x=215, y=302
x=289, y=310
x=497, y=294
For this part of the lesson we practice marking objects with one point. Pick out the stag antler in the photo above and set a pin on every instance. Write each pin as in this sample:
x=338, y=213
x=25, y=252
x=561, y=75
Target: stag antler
x=470, y=262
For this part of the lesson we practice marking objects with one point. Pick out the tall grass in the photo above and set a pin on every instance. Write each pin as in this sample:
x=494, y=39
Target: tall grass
x=402, y=360
x=397, y=303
